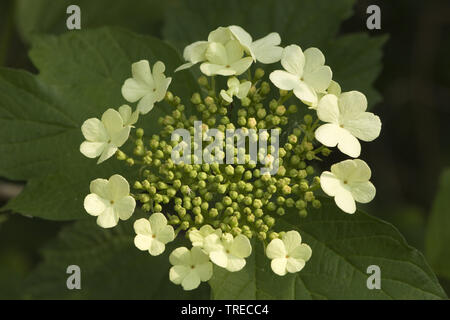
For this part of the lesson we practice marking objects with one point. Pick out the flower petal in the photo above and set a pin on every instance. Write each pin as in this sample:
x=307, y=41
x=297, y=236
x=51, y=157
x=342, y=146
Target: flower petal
x=293, y=60
x=294, y=265
x=221, y=34
x=275, y=249
x=108, y=218
x=306, y=93
x=178, y=272
x=348, y=144
x=158, y=221
x=132, y=90
x=142, y=226
x=120, y=137
x=363, y=192
x=235, y=263
x=314, y=59
x=125, y=207
x=107, y=153
x=291, y=240
x=147, y=103
x=165, y=234
x=180, y=256
x=143, y=242
x=118, y=187
x=319, y=79
x=216, y=53
x=267, y=50
x=225, y=96
x=191, y=281
x=156, y=247
x=244, y=38
x=330, y=184
x=240, y=66
x=92, y=149
x=204, y=271
x=112, y=121
x=141, y=72
x=328, y=134
x=366, y=126
x=278, y=266
x=93, y=130
x=284, y=80
x=303, y=252
x=219, y=257
x=344, y=200
x=199, y=256
x=241, y=246
x=195, y=52
x=94, y=205
x=100, y=187
x=328, y=109
x=244, y=88
x=352, y=102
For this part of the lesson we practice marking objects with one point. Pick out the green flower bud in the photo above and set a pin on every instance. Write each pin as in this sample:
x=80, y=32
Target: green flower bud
x=203, y=81
x=130, y=162
x=308, y=119
x=292, y=109
x=290, y=202
x=157, y=207
x=259, y=73
x=196, y=98
x=137, y=185
x=281, y=211
x=245, y=102
x=184, y=225
x=309, y=196
x=316, y=204
x=303, y=213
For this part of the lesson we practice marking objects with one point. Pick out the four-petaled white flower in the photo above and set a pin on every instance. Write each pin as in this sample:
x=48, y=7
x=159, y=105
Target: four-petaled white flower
x=265, y=50
x=153, y=233
x=235, y=88
x=228, y=252
x=305, y=73
x=225, y=59
x=348, y=182
x=146, y=86
x=288, y=254
x=110, y=201
x=105, y=136
x=197, y=237
x=347, y=120
x=190, y=267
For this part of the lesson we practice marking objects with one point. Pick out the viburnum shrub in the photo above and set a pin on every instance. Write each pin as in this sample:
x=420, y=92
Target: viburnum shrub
x=195, y=182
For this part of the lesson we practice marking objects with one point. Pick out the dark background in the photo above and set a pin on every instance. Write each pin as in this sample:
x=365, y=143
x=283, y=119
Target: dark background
x=406, y=159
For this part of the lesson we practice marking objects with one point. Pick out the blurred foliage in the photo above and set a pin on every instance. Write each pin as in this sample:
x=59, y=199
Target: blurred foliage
x=438, y=235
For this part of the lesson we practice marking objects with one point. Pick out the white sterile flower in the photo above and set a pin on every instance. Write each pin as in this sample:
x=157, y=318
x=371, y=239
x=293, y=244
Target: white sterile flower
x=305, y=73
x=128, y=116
x=228, y=252
x=193, y=54
x=235, y=88
x=225, y=59
x=197, y=237
x=110, y=201
x=288, y=254
x=153, y=233
x=190, y=267
x=348, y=182
x=348, y=121
x=105, y=136
x=265, y=50
x=146, y=86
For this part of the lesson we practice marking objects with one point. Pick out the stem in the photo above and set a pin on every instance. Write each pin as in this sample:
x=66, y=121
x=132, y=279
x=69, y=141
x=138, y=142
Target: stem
x=284, y=98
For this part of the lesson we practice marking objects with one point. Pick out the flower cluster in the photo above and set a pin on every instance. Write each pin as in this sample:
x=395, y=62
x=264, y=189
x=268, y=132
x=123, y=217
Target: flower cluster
x=223, y=206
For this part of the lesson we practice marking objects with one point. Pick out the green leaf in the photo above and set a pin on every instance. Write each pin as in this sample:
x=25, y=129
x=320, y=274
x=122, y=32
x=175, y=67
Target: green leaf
x=437, y=237
x=49, y=17
x=306, y=22
x=343, y=247
x=81, y=74
x=111, y=267
x=356, y=62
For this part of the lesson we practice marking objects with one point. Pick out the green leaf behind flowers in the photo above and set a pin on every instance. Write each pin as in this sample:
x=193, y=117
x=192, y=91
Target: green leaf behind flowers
x=81, y=74
x=343, y=247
